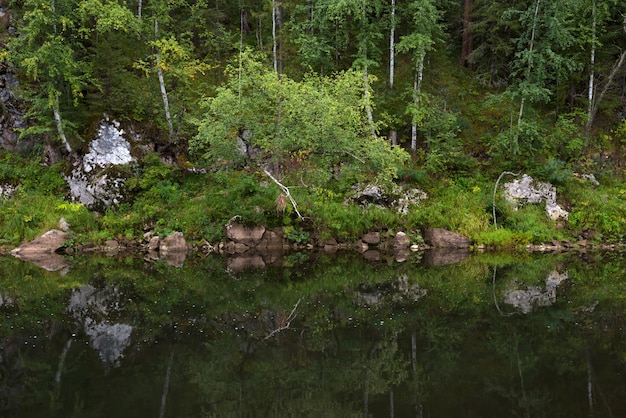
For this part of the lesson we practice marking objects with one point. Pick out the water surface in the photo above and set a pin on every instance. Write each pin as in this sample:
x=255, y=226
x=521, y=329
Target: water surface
x=318, y=336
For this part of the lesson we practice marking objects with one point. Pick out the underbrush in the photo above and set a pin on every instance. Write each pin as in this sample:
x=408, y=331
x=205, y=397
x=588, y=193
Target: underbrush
x=164, y=199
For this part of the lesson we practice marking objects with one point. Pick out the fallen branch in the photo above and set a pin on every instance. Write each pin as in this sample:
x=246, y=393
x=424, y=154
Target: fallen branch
x=287, y=323
x=495, y=188
x=285, y=190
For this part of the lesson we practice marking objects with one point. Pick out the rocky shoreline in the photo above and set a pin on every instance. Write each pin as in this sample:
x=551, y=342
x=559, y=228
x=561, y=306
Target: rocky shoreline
x=257, y=247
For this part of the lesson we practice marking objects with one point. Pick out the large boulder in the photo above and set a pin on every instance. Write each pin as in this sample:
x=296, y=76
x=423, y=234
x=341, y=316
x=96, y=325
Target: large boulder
x=528, y=190
x=12, y=118
x=92, y=181
x=42, y=251
x=173, y=249
x=441, y=238
x=250, y=236
x=47, y=243
x=398, y=198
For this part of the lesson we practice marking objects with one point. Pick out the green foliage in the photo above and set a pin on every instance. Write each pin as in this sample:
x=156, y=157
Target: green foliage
x=598, y=214
x=457, y=206
x=319, y=118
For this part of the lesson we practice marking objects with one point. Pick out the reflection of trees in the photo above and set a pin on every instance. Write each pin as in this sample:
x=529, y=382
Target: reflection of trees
x=422, y=342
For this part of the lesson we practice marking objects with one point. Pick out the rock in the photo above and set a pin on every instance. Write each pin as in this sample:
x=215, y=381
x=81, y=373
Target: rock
x=555, y=212
x=409, y=198
x=371, y=238
x=63, y=225
x=441, y=238
x=174, y=243
x=396, y=198
x=528, y=190
x=154, y=244
x=42, y=251
x=244, y=235
x=272, y=240
x=47, y=243
x=330, y=245
x=91, y=181
x=400, y=241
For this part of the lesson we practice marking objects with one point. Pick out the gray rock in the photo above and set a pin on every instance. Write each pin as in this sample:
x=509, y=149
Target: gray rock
x=244, y=235
x=401, y=241
x=528, y=190
x=91, y=181
x=371, y=238
x=174, y=243
x=47, y=243
x=441, y=238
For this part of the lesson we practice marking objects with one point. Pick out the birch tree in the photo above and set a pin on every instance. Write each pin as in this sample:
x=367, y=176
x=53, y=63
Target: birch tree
x=426, y=27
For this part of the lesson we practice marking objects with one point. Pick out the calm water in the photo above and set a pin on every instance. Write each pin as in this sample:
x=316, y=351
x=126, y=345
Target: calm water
x=315, y=336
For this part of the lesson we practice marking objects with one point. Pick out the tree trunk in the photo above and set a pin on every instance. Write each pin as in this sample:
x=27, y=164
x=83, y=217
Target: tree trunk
x=166, y=103
x=392, y=62
x=392, y=44
x=592, y=63
x=274, y=42
x=59, y=123
x=466, y=48
x=528, y=70
x=417, y=91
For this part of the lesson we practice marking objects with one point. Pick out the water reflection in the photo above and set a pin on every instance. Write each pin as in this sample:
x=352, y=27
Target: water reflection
x=318, y=336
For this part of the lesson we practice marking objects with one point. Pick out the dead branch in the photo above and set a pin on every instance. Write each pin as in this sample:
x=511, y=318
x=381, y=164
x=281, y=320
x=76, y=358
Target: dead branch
x=286, y=323
x=495, y=188
x=286, y=191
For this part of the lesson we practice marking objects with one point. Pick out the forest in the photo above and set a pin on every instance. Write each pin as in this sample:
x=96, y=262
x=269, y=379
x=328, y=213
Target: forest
x=327, y=94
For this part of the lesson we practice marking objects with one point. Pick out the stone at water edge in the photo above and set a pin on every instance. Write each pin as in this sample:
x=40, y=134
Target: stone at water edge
x=441, y=238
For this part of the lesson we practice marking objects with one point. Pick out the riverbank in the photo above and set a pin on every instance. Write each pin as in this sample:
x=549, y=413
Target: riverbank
x=161, y=199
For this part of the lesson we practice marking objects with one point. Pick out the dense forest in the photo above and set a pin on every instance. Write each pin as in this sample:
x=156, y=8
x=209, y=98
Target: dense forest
x=330, y=93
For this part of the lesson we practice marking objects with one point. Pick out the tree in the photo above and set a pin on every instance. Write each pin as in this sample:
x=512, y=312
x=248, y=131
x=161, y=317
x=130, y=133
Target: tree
x=541, y=57
x=49, y=54
x=425, y=29
x=322, y=121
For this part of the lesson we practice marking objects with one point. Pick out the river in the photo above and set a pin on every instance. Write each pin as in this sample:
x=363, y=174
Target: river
x=315, y=335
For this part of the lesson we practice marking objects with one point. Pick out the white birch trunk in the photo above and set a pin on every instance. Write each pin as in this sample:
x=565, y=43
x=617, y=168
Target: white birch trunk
x=392, y=62
x=59, y=123
x=166, y=103
x=592, y=63
x=417, y=91
x=274, y=48
x=392, y=44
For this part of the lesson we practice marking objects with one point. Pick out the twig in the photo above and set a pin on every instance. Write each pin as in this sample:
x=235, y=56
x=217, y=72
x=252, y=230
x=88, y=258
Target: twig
x=285, y=190
x=495, y=188
x=290, y=318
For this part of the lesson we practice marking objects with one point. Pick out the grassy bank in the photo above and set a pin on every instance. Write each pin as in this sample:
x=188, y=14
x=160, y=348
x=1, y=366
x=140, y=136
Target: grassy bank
x=164, y=198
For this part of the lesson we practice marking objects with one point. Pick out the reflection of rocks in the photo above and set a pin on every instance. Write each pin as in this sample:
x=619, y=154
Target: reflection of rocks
x=535, y=296
x=445, y=256
x=92, y=308
x=42, y=251
x=239, y=263
x=398, y=292
x=173, y=249
x=110, y=340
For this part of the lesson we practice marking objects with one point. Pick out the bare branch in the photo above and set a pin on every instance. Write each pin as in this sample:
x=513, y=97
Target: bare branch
x=495, y=188
x=285, y=190
x=287, y=322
